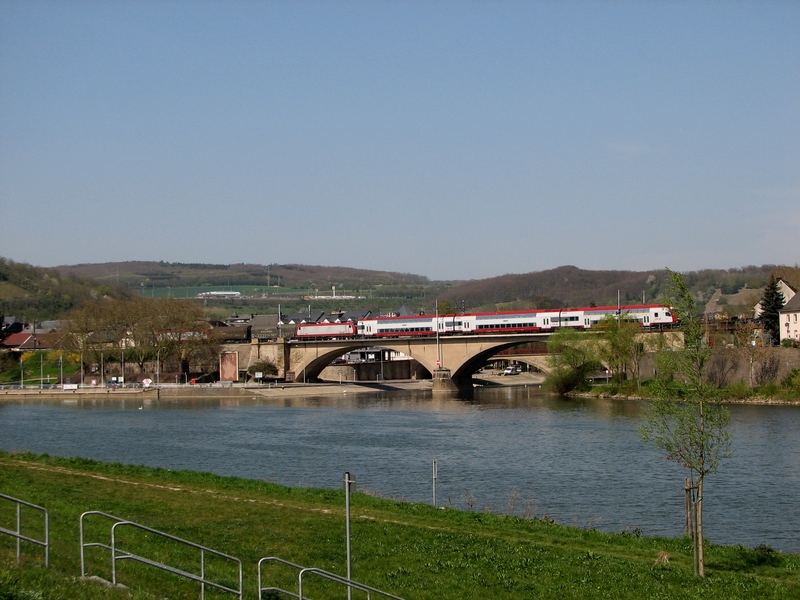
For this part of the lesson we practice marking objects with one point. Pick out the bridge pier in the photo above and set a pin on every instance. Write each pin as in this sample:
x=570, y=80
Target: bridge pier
x=443, y=382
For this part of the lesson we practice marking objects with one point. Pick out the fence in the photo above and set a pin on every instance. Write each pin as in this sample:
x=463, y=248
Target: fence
x=118, y=554
x=302, y=571
x=18, y=532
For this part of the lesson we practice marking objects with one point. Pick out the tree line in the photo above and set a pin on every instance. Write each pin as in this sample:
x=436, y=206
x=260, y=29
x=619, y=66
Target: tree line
x=143, y=330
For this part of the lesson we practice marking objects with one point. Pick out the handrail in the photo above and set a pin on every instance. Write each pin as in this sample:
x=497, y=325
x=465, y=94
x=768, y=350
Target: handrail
x=276, y=589
x=120, y=554
x=18, y=532
x=319, y=573
x=343, y=581
x=92, y=544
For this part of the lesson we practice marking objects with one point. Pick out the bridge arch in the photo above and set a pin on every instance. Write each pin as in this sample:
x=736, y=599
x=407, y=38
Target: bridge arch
x=461, y=355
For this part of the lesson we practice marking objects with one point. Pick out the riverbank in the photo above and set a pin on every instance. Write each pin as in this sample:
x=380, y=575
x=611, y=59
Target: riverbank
x=410, y=550
x=275, y=390
x=755, y=400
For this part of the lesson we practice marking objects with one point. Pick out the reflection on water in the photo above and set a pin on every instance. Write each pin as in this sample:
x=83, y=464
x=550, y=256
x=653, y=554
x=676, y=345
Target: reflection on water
x=579, y=461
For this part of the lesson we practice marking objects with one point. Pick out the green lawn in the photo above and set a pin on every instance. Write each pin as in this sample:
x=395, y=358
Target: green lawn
x=411, y=550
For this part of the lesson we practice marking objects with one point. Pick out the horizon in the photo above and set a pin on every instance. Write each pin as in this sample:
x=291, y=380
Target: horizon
x=453, y=141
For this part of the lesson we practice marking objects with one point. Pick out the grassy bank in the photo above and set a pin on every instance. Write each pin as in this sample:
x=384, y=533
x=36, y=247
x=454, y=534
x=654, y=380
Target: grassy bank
x=411, y=550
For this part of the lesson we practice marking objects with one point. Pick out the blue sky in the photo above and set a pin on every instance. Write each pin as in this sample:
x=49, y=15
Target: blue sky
x=456, y=140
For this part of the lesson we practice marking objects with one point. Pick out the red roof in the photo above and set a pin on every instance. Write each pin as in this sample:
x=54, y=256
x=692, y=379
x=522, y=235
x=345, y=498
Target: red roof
x=15, y=340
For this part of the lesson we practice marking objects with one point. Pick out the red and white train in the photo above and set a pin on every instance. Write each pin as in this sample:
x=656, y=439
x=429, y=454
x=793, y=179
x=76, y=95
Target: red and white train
x=521, y=321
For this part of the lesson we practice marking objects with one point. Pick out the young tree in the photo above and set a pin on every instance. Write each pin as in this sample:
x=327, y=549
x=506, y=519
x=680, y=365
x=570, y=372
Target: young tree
x=686, y=419
x=746, y=339
x=771, y=303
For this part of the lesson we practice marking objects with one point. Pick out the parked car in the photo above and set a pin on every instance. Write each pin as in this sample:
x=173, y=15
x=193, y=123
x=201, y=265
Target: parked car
x=511, y=371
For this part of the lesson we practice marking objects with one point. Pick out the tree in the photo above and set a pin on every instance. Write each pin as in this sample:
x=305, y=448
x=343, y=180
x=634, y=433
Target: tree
x=686, y=419
x=746, y=339
x=771, y=303
x=622, y=348
x=572, y=355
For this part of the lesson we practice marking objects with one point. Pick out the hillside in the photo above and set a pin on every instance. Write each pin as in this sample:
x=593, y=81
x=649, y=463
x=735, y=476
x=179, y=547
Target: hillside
x=571, y=286
x=162, y=274
x=39, y=293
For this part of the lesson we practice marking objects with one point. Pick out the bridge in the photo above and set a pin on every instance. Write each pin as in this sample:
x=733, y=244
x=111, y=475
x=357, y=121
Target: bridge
x=451, y=362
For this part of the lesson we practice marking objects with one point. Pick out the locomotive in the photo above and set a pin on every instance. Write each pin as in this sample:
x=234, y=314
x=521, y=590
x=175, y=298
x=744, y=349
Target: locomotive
x=499, y=322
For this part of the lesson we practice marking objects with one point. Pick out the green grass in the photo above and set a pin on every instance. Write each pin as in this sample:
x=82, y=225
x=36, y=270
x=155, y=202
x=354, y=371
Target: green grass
x=411, y=550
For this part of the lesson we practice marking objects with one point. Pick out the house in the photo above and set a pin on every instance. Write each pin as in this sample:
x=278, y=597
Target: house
x=28, y=342
x=41, y=341
x=14, y=341
x=789, y=320
x=788, y=293
x=11, y=325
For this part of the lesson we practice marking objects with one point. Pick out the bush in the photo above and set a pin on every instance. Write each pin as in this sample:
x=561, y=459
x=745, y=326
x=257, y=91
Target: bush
x=740, y=390
x=792, y=381
x=565, y=380
x=267, y=368
x=769, y=390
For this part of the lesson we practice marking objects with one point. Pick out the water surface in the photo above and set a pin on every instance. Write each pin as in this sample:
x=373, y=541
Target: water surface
x=508, y=450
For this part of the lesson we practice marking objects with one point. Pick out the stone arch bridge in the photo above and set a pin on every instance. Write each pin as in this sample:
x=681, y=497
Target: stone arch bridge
x=459, y=356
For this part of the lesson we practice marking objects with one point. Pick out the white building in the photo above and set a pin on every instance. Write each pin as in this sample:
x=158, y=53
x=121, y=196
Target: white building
x=790, y=319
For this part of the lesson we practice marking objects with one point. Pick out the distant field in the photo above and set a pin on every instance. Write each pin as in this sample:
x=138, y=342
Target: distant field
x=192, y=291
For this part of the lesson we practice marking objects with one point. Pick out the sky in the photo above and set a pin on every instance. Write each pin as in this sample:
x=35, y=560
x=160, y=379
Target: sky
x=456, y=140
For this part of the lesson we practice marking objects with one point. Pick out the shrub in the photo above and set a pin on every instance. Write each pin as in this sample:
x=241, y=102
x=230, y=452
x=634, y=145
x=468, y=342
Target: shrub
x=739, y=390
x=267, y=368
x=769, y=390
x=792, y=381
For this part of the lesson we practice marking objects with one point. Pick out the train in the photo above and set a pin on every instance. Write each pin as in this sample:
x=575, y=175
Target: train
x=499, y=322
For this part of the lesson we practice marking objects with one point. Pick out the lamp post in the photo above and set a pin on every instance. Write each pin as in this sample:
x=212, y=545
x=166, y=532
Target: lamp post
x=21, y=374
x=158, y=366
x=61, y=369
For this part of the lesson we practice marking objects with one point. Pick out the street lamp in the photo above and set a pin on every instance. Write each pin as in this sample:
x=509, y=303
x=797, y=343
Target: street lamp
x=158, y=366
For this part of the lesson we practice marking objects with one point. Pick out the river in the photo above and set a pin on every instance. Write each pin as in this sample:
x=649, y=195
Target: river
x=508, y=450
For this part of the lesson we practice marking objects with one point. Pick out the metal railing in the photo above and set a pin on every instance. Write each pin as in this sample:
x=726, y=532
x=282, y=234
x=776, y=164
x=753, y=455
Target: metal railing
x=18, y=532
x=118, y=554
x=338, y=579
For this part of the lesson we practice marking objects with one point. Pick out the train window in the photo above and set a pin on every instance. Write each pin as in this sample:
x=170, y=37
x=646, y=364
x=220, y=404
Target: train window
x=656, y=315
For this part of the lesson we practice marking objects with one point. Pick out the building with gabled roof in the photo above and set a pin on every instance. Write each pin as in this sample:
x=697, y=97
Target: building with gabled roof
x=789, y=320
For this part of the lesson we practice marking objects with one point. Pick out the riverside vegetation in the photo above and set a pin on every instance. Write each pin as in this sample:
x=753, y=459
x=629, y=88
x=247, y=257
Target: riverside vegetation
x=411, y=550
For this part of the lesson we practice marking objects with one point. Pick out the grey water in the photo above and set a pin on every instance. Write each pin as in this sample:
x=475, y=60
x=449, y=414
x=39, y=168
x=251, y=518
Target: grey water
x=509, y=451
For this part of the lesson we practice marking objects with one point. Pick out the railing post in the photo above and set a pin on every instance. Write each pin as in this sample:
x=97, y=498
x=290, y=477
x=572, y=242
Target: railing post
x=19, y=528
x=46, y=539
x=114, y=554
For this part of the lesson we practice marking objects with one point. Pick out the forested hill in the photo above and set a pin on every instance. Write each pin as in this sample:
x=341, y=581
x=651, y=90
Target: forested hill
x=39, y=293
x=571, y=286
x=162, y=274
